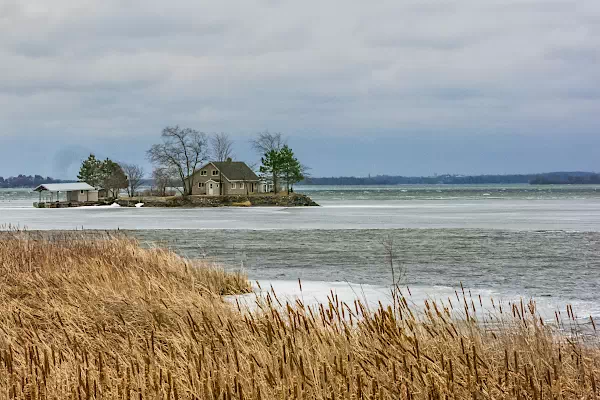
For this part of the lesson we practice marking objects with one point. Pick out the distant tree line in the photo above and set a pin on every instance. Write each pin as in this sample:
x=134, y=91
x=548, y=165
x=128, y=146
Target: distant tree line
x=562, y=178
x=534, y=179
x=27, y=181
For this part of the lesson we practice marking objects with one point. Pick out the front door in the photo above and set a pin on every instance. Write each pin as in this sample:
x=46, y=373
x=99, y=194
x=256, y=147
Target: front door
x=210, y=189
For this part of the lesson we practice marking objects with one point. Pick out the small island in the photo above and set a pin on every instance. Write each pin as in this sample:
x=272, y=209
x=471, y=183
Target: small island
x=179, y=164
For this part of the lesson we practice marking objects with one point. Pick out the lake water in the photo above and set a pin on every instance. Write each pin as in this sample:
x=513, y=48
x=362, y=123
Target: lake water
x=540, y=242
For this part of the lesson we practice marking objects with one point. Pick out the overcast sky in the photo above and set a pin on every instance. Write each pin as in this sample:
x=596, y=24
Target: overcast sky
x=401, y=87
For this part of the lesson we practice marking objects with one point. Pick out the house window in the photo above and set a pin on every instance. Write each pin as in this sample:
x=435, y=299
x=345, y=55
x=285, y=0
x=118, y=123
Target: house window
x=233, y=185
x=215, y=172
x=200, y=184
x=203, y=173
x=241, y=185
x=81, y=191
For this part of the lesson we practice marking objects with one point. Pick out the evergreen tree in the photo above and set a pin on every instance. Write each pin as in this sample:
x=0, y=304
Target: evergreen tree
x=105, y=174
x=281, y=165
x=291, y=170
x=113, y=177
x=91, y=171
x=271, y=167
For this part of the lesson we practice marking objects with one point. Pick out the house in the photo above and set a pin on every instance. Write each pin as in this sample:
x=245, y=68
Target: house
x=226, y=178
x=266, y=185
x=79, y=192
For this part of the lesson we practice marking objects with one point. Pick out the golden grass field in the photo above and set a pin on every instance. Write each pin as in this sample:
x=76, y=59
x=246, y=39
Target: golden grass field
x=103, y=318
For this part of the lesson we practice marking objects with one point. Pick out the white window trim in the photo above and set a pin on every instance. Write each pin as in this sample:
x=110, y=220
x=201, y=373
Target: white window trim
x=215, y=172
x=241, y=185
x=203, y=173
x=233, y=185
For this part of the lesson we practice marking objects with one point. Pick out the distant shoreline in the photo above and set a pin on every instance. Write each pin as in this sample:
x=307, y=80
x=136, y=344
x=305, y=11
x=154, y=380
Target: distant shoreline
x=551, y=178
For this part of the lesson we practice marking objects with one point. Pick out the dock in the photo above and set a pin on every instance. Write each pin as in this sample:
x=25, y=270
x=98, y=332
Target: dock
x=66, y=204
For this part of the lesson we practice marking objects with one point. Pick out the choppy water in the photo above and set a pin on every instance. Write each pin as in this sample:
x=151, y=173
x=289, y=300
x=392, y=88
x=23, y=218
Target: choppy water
x=506, y=242
x=336, y=194
x=552, y=266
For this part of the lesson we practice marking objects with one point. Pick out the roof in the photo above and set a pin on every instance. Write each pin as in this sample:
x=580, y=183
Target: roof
x=64, y=187
x=235, y=170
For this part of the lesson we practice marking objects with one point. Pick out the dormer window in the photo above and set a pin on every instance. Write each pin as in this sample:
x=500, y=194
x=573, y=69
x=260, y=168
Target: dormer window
x=215, y=172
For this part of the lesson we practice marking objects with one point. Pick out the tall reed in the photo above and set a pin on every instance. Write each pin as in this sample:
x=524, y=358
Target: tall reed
x=86, y=318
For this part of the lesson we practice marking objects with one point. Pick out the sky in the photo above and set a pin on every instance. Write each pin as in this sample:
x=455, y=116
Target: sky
x=404, y=87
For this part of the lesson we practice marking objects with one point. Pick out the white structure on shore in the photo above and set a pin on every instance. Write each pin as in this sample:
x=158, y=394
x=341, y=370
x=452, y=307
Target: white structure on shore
x=79, y=192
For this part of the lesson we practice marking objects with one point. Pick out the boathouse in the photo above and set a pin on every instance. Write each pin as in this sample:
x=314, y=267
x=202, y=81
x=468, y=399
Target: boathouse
x=79, y=192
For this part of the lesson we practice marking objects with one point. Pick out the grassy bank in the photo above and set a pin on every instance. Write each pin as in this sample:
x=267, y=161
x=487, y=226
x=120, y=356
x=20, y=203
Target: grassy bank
x=103, y=318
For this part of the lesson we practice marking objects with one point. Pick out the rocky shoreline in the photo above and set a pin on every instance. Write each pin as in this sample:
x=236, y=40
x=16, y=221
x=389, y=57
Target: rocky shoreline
x=260, y=200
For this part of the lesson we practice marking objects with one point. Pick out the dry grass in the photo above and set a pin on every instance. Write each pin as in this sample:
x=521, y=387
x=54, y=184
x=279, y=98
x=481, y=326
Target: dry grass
x=83, y=318
x=246, y=203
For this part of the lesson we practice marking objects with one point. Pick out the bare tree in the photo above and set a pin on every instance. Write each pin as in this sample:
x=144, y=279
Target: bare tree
x=163, y=178
x=267, y=141
x=305, y=170
x=135, y=174
x=222, y=149
x=222, y=146
x=181, y=150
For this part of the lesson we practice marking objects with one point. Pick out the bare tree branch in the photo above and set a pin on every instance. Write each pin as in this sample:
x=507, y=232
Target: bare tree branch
x=135, y=174
x=222, y=146
x=163, y=178
x=181, y=150
x=267, y=141
x=305, y=170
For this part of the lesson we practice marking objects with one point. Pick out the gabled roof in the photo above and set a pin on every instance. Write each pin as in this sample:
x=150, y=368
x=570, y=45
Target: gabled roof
x=235, y=170
x=63, y=187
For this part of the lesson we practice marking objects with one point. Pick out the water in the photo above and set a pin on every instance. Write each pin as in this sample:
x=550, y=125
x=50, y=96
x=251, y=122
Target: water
x=555, y=267
x=375, y=194
x=501, y=241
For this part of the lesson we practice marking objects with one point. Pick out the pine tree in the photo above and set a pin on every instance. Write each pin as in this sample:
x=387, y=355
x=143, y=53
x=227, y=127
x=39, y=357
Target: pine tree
x=91, y=171
x=290, y=167
x=282, y=165
x=271, y=167
x=105, y=174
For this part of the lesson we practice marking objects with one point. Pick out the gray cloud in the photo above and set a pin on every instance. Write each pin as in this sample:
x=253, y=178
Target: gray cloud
x=89, y=70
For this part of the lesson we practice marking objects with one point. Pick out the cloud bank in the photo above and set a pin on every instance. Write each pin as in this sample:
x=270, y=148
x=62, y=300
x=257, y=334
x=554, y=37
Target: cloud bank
x=98, y=73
